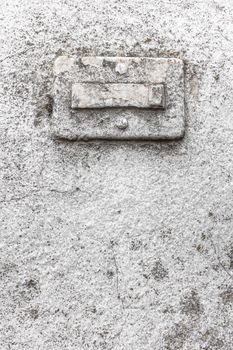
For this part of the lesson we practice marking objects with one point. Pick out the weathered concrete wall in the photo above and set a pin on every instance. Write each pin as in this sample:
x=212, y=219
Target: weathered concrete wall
x=116, y=245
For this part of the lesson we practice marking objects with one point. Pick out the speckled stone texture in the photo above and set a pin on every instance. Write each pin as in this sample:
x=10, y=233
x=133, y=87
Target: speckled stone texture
x=121, y=246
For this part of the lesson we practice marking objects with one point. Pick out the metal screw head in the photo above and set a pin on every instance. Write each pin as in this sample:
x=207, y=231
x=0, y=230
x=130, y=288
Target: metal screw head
x=122, y=123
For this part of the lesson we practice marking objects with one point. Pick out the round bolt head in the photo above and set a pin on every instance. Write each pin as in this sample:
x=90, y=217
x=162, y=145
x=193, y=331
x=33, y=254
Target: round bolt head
x=122, y=123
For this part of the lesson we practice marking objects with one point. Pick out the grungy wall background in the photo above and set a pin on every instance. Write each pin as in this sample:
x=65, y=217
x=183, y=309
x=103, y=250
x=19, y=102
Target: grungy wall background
x=116, y=245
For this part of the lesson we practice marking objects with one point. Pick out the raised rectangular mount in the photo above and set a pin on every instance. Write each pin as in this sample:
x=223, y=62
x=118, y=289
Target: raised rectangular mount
x=118, y=98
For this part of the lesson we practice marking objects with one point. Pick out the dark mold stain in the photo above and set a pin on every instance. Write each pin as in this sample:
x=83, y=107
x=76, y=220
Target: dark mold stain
x=175, y=339
x=190, y=304
x=34, y=314
x=227, y=296
x=212, y=341
x=32, y=284
x=45, y=109
x=200, y=248
x=158, y=271
x=135, y=244
x=110, y=274
x=49, y=104
x=29, y=289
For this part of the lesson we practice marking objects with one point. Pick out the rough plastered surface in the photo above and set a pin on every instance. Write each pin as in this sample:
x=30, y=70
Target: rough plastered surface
x=116, y=245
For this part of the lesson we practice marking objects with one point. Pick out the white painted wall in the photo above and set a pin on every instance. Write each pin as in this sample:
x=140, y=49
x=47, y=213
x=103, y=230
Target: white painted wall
x=115, y=245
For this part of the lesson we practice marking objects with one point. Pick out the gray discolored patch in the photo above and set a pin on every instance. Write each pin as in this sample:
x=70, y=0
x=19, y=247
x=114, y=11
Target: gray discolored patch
x=34, y=313
x=176, y=338
x=227, y=296
x=158, y=271
x=110, y=274
x=212, y=341
x=190, y=304
x=135, y=244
